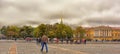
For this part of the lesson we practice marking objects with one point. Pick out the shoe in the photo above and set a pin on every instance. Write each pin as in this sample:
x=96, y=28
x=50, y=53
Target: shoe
x=46, y=51
x=41, y=50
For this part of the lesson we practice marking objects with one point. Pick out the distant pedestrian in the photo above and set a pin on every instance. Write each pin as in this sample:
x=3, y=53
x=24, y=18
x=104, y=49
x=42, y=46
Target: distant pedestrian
x=51, y=40
x=80, y=41
x=85, y=41
x=57, y=40
x=96, y=40
x=61, y=41
x=71, y=40
x=44, y=41
x=15, y=39
x=75, y=41
x=67, y=40
x=38, y=40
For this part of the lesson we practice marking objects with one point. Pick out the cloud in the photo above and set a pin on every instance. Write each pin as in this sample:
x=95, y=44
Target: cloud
x=73, y=12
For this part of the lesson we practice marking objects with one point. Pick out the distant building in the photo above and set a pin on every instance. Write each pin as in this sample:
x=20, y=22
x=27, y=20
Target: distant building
x=103, y=33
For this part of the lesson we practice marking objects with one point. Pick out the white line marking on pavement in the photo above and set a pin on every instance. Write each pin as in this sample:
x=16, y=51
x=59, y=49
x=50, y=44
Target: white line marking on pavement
x=13, y=49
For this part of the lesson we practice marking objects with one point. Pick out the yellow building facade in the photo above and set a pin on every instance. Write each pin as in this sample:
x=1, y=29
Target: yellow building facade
x=103, y=33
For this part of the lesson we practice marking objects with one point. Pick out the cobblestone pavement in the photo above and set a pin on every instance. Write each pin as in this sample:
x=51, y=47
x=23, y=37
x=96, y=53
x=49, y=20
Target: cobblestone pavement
x=4, y=46
x=32, y=48
x=93, y=48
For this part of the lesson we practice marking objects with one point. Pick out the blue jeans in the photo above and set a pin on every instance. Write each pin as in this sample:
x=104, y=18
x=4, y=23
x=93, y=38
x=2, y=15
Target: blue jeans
x=44, y=43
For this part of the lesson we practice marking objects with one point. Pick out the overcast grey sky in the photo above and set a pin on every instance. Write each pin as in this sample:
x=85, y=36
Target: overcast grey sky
x=74, y=12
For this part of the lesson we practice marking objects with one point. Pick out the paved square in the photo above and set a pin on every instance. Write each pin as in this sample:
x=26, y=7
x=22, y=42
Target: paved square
x=23, y=47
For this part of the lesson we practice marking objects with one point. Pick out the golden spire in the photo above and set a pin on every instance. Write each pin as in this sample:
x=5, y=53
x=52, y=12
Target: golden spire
x=61, y=22
x=61, y=17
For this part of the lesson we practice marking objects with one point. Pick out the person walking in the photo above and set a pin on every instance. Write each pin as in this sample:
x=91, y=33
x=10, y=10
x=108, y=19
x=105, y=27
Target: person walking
x=44, y=41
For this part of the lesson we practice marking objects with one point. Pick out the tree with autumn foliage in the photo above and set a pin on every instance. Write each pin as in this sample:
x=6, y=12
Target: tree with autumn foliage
x=12, y=32
x=79, y=32
x=26, y=31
